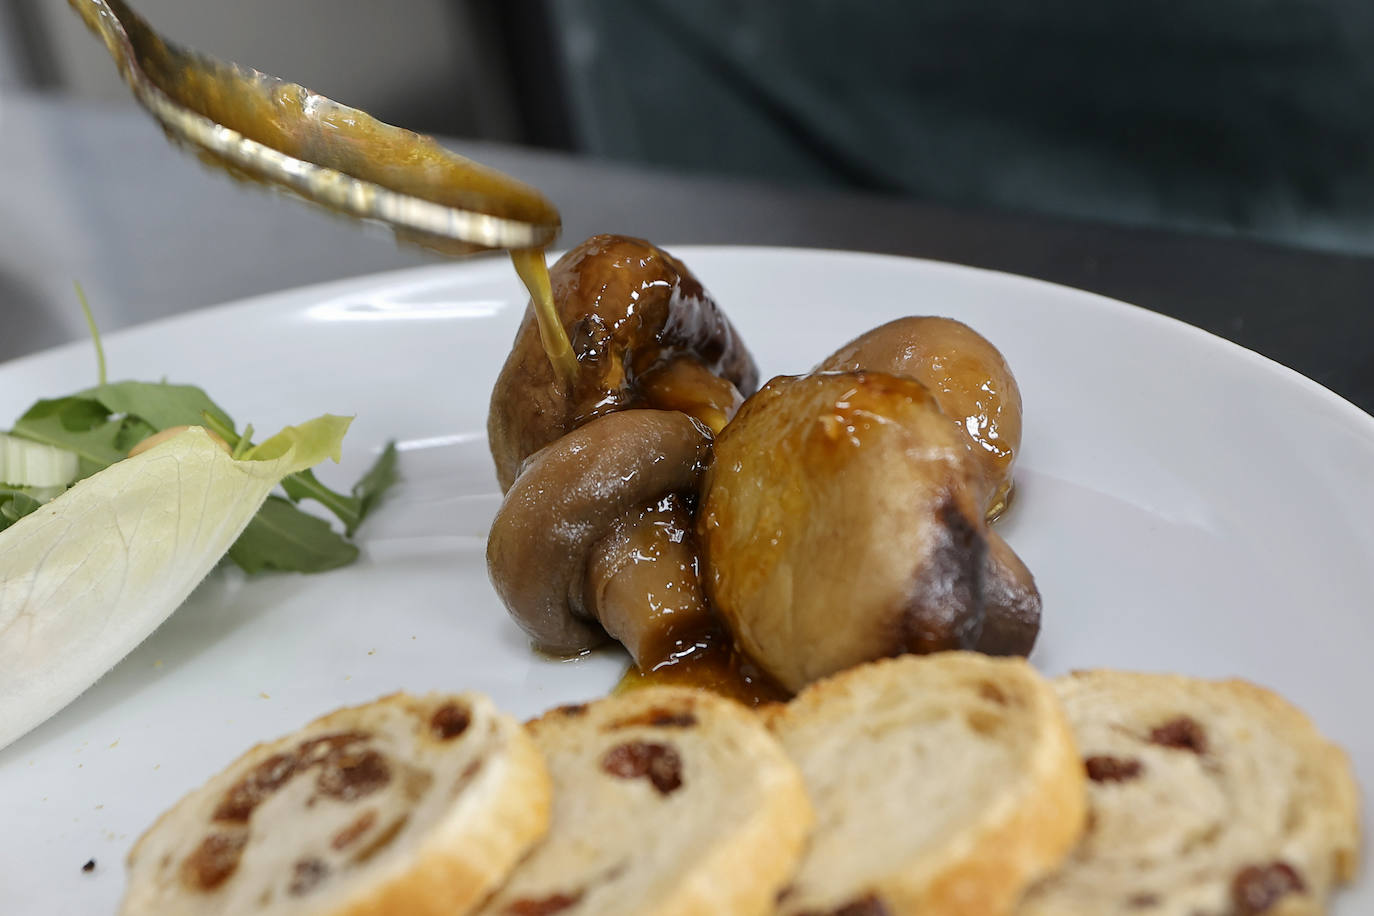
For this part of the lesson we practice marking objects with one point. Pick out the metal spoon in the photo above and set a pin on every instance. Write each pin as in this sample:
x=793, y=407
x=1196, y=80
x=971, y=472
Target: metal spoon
x=259, y=127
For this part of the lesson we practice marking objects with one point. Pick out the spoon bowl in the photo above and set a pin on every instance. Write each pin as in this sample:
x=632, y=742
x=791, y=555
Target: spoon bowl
x=265, y=129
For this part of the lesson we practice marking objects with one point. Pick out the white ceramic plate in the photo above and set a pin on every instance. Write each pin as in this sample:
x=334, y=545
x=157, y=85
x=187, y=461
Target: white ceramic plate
x=1185, y=505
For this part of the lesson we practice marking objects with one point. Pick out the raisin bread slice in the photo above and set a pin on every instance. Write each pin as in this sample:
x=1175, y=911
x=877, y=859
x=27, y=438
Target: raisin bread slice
x=667, y=802
x=1211, y=797
x=943, y=784
x=405, y=805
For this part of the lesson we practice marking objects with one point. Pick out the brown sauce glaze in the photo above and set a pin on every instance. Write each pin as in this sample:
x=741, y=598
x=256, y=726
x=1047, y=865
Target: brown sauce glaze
x=707, y=659
x=533, y=269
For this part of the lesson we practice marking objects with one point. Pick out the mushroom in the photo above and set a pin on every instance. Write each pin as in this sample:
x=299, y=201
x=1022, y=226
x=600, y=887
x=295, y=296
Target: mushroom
x=974, y=386
x=841, y=521
x=1011, y=602
x=968, y=376
x=645, y=334
x=563, y=548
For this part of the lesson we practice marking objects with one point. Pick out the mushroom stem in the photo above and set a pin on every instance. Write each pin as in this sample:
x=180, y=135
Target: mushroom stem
x=534, y=273
x=568, y=498
x=643, y=582
x=685, y=383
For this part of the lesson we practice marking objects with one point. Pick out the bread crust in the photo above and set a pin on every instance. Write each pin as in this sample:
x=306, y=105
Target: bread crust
x=454, y=875
x=753, y=847
x=1023, y=827
x=1243, y=731
x=488, y=824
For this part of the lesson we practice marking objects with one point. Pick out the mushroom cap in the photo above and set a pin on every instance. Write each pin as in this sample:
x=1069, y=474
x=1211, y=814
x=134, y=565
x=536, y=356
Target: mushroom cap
x=629, y=307
x=567, y=498
x=1011, y=602
x=968, y=376
x=840, y=522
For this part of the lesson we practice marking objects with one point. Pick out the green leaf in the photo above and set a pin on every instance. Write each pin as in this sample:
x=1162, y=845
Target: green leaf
x=77, y=424
x=306, y=485
x=131, y=432
x=89, y=576
x=283, y=537
x=378, y=479
x=15, y=503
x=351, y=510
x=159, y=404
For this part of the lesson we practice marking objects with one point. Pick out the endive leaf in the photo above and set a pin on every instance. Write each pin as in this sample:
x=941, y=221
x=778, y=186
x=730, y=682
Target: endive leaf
x=87, y=577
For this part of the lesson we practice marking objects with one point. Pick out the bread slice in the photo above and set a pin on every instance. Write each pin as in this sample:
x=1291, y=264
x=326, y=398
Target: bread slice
x=943, y=784
x=667, y=802
x=405, y=805
x=1204, y=797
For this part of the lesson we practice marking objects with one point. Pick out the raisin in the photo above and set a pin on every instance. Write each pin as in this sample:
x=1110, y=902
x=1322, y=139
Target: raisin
x=306, y=876
x=1112, y=769
x=1256, y=888
x=468, y=775
x=658, y=717
x=864, y=906
x=347, y=836
x=449, y=721
x=1183, y=734
x=89, y=866
x=992, y=693
x=238, y=804
x=543, y=906
x=348, y=775
x=317, y=750
x=381, y=841
x=214, y=861
x=659, y=763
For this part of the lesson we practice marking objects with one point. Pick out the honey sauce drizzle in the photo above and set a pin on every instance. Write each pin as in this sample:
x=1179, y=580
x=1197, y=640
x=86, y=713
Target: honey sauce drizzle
x=707, y=660
x=534, y=273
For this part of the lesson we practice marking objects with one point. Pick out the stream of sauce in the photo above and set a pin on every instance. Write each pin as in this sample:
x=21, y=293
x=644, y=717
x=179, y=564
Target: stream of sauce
x=533, y=269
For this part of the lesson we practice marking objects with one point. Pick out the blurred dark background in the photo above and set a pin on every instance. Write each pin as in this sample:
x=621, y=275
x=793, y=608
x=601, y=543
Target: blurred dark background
x=1250, y=118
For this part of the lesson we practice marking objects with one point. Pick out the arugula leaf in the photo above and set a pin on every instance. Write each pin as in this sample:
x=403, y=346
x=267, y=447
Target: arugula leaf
x=77, y=424
x=283, y=537
x=378, y=479
x=351, y=510
x=15, y=503
x=131, y=432
x=159, y=404
x=101, y=425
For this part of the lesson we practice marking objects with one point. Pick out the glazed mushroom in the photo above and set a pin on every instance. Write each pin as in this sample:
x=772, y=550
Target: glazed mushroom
x=645, y=334
x=970, y=379
x=842, y=521
x=1011, y=602
x=597, y=521
x=974, y=386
